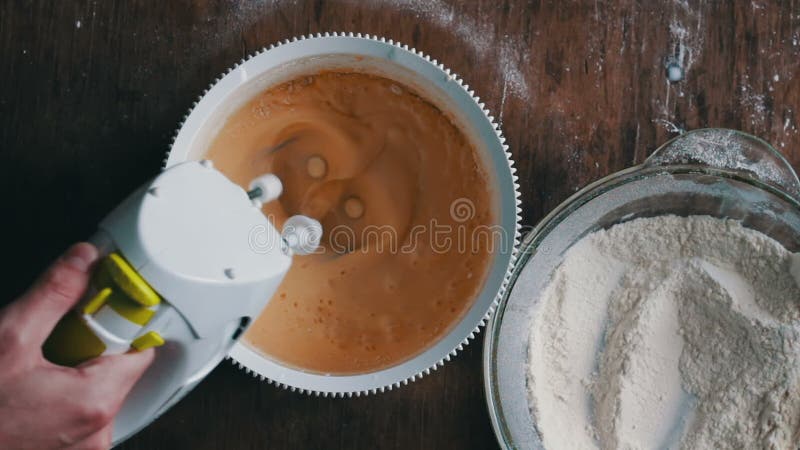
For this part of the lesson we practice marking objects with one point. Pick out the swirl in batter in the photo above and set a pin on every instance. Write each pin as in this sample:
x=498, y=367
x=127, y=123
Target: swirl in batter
x=379, y=167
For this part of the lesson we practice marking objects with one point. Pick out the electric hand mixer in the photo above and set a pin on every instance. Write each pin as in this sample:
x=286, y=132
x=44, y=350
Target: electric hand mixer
x=188, y=261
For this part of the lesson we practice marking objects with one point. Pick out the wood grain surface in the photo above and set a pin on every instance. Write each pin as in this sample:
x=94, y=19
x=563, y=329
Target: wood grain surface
x=91, y=93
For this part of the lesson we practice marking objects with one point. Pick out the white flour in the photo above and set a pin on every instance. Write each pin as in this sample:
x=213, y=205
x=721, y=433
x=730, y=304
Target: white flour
x=669, y=332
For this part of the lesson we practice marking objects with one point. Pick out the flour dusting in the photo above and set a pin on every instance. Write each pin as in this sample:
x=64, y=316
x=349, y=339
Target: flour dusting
x=754, y=103
x=686, y=40
x=478, y=36
x=669, y=332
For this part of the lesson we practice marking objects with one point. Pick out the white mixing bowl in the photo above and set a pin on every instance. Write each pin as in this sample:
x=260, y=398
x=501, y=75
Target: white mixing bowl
x=303, y=56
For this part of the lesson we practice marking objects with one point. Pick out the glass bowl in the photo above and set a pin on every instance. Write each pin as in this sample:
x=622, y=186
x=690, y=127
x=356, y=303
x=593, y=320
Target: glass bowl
x=715, y=172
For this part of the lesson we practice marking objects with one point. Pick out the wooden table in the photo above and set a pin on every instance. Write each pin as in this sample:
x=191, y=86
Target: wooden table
x=91, y=93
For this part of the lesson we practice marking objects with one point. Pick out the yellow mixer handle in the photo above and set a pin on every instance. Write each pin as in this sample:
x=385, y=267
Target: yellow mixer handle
x=130, y=282
x=119, y=287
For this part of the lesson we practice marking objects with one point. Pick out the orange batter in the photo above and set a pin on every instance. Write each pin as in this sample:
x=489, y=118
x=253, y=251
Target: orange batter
x=380, y=168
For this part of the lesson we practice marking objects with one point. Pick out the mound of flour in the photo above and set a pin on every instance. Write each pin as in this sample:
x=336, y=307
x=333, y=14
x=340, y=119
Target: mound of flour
x=669, y=332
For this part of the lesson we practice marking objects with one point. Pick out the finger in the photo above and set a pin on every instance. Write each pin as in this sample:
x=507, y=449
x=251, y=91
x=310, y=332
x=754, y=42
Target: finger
x=100, y=440
x=54, y=293
x=112, y=377
x=97, y=391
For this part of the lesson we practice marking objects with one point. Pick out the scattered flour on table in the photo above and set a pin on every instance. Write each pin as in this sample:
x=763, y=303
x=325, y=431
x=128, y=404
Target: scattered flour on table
x=687, y=30
x=669, y=332
x=480, y=37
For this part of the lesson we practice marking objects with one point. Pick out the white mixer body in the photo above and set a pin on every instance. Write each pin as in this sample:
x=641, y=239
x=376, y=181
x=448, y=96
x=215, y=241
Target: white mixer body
x=215, y=260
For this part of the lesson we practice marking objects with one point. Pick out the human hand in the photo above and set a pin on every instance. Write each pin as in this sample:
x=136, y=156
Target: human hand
x=44, y=405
